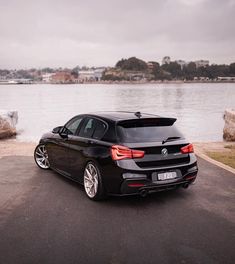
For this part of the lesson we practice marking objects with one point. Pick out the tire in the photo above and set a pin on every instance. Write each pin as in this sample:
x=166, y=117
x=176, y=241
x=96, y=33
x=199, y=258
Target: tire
x=92, y=181
x=41, y=157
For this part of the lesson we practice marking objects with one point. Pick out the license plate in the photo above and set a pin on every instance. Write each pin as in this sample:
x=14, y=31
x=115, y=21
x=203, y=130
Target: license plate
x=167, y=176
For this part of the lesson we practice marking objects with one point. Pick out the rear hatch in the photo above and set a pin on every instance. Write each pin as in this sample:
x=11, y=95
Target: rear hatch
x=157, y=137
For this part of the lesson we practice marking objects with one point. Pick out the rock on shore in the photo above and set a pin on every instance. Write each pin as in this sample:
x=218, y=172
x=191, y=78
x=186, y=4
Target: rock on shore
x=8, y=121
x=229, y=127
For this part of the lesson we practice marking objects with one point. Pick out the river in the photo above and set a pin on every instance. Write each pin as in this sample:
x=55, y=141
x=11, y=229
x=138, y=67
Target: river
x=198, y=107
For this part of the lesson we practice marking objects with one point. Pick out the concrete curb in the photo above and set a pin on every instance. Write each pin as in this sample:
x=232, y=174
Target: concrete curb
x=215, y=162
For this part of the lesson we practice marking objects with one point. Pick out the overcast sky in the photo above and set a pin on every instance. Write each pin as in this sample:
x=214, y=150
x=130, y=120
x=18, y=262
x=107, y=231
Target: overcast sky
x=67, y=33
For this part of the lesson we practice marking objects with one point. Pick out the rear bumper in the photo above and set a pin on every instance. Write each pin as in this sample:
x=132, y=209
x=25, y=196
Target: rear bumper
x=128, y=186
x=186, y=175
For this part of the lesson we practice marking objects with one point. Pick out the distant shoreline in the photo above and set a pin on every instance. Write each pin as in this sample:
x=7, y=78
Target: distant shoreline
x=121, y=82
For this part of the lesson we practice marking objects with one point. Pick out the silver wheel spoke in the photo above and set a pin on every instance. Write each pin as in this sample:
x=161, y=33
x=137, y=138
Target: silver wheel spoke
x=95, y=187
x=91, y=169
x=96, y=180
x=40, y=150
x=89, y=174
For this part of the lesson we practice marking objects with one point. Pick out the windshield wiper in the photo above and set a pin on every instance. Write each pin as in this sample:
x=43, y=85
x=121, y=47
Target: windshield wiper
x=169, y=139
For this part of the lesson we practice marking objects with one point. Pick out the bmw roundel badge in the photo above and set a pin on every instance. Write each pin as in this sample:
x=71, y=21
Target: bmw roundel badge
x=164, y=152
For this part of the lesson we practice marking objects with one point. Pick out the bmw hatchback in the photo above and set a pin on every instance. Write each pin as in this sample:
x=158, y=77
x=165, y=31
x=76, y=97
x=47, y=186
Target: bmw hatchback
x=119, y=153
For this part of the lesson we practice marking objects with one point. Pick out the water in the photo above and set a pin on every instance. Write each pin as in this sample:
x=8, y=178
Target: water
x=198, y=107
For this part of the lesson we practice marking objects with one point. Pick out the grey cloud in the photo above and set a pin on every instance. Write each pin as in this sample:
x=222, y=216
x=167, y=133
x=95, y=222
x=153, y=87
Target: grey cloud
x=67, y=33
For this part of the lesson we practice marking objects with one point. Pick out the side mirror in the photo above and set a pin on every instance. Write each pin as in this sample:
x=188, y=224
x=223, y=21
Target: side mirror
x=63, y=134
x=57, y=130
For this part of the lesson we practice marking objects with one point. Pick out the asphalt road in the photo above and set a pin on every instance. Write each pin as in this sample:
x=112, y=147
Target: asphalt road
x=45, y=218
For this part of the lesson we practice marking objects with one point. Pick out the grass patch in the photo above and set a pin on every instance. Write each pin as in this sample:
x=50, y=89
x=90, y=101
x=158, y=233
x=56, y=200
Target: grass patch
x=229, y=146
x=227, y=157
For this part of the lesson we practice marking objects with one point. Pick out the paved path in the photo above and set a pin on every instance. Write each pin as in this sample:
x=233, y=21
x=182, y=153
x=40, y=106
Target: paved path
x=45, y=218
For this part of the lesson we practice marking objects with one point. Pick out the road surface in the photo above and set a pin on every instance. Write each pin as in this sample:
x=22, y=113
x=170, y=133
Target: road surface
x=45, y=218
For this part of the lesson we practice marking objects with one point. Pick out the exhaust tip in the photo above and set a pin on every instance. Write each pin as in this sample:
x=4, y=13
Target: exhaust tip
x=186, y=185
x=143, y=193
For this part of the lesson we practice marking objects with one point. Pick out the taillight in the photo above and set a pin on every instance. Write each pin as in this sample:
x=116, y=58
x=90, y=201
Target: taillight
x=187, y=149
x=122, y=152
x=136, y=185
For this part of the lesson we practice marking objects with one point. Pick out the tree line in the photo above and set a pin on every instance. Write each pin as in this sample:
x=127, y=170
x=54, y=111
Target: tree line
x=170, y=71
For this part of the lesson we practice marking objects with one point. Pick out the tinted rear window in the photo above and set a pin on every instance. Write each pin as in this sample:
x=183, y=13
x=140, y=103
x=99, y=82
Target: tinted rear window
x=147, y=130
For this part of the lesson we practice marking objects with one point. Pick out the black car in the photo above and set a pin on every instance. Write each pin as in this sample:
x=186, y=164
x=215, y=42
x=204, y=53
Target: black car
x=119, y=153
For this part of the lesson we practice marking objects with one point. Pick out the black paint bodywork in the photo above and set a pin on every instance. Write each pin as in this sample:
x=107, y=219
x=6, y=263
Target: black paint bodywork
x=69, y=154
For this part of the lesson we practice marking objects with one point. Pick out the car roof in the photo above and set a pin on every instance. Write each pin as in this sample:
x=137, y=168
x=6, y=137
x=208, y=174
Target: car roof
x=117, y=116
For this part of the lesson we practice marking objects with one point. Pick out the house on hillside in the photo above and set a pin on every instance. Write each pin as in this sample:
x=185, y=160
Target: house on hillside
x=91, y=75
x=46, y=78
x=201, y=63
x=63, y=77
x=182, y=63
x=166, y=60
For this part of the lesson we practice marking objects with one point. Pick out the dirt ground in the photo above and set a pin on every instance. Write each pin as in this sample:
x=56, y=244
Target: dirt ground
x=14, y=148
x=205, y=147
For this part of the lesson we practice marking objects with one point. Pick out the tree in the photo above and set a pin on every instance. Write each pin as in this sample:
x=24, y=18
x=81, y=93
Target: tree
x=232, y=69
x=155, y=70
x=132, y=64
x=214, y=71
x=84, y=68
x=120, y=63
x=23, y=74
x=163, y=75
x=110, y=77
x=74, y=73
x=190, y=71
x=174, y=69
x=76, y=69
x=48, y=70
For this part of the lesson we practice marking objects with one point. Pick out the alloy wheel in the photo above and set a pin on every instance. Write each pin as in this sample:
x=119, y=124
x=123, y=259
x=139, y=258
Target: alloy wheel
x=91, y=180
x=41, y=157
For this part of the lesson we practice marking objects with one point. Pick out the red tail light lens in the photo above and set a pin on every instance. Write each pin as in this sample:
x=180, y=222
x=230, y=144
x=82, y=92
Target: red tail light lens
x=122, y=152
x=187, y=149
x=135, y=184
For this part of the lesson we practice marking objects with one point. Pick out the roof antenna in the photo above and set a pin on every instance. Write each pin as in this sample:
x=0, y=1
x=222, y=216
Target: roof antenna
x=138, y=114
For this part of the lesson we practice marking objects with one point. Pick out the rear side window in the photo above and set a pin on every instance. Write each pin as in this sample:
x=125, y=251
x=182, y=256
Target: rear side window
x=88, y=128
x=99, y=129
x=93, y=128
x=147, y=131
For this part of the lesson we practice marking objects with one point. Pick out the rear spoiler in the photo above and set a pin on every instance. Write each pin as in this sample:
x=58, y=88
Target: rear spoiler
x=146, y=122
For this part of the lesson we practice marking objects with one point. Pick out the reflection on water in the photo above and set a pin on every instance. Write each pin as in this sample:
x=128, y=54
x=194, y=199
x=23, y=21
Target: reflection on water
x=198, y=107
